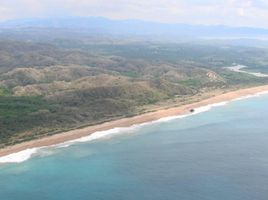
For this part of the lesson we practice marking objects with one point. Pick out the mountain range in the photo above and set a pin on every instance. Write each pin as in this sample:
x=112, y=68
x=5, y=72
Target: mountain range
x=100, y=25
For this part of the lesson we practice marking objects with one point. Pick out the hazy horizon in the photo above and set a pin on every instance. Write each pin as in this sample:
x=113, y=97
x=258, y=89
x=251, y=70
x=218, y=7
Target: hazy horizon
x=234, y=13
x=54, y=18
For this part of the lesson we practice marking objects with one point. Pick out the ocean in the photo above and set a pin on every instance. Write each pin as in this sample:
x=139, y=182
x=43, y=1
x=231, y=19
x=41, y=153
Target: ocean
x=218, y=154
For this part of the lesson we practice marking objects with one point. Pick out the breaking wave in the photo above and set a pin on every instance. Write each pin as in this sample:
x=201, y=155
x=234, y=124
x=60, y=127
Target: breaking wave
x=29, y=153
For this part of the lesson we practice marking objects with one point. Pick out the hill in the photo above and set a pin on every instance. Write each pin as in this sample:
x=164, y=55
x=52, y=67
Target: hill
x=47, y=88
x=125, y=28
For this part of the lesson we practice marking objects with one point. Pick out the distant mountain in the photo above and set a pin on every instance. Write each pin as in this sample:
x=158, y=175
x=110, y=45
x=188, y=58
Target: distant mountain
x=136, y=28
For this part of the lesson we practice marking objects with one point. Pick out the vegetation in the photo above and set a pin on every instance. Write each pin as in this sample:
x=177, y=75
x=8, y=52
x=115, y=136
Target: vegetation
x=50, y=87
x=4, y=92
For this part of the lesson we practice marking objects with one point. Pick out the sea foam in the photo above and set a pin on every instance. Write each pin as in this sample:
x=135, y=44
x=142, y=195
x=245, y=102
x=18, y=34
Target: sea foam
x=98, y=135
x=19, y=156
x=29, y=153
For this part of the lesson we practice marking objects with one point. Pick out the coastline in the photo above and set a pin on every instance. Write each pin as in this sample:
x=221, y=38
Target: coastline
x=79, y=135
x=239, y=68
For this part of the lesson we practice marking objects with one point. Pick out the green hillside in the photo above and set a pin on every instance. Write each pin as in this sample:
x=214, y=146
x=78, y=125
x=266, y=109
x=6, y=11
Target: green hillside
x=49, y=88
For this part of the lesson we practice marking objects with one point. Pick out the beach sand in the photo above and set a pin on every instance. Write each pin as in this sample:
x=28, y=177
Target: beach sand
x=127, y=122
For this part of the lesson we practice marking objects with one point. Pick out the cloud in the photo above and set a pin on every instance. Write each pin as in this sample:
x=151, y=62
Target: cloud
x=228, y=12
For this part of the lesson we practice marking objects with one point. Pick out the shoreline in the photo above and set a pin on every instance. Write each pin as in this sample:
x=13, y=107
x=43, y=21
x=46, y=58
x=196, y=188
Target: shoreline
x=239, y=68
x=69, y=137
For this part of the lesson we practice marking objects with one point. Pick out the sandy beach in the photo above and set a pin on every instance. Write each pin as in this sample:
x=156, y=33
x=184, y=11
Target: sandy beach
x=126, y=122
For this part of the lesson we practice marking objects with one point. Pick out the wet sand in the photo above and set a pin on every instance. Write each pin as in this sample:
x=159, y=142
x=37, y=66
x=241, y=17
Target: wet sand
x=126, y=122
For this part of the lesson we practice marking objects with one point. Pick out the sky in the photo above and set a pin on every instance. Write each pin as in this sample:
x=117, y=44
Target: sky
x=253, y=13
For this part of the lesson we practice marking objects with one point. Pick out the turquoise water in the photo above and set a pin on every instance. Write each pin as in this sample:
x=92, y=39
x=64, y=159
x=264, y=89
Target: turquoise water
x=221, y=154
